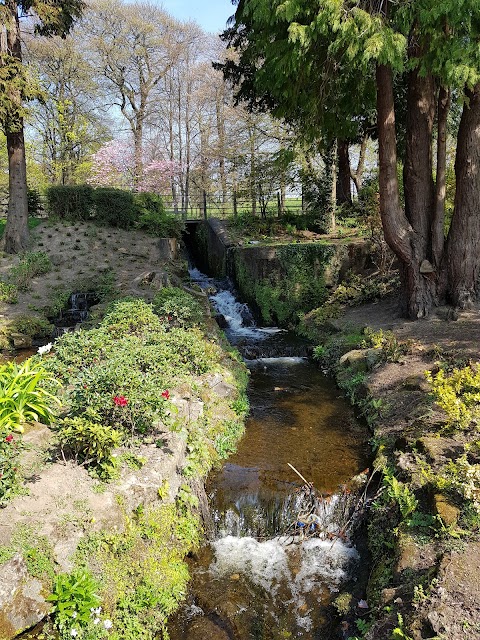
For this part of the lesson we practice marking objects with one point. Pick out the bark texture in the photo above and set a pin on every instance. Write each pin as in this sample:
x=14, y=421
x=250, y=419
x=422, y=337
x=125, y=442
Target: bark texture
x=15, y=237
x=463, y=262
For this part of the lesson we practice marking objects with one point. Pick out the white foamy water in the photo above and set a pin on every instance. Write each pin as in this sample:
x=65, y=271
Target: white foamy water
x=237, y=314
x=267, y=563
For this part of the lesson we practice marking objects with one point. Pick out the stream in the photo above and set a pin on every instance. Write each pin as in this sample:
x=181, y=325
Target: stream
x=263, y=575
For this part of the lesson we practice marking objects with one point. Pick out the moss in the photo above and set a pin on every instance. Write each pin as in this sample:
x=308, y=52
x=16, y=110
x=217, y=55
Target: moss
x=294, y=283
x=141, y=571
x=32, y=326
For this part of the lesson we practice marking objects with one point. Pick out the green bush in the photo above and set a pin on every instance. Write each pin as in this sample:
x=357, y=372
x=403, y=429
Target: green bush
x=31, y=326
x=31, y=264
x=70, y=202
x=34, y=202
x=114, y=207
x=22, y=396
x=177, y=307
x=90, y=443
x=131, y=355
x=8, y=292
x=152, y=217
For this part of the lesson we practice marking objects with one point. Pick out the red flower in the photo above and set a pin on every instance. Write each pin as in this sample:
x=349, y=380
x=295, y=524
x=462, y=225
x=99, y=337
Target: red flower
x=9, y=438
x=166, y=394
x=120, y=401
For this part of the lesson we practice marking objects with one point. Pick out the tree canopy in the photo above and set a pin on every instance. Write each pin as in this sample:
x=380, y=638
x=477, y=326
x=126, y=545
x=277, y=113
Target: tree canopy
x=315, y=63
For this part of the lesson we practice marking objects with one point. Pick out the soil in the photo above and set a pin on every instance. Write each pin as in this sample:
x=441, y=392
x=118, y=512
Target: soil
x=449, y=608
x=80, y=254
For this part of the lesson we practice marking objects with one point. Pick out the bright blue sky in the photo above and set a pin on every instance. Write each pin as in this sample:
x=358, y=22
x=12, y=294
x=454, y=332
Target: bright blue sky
x=212, y=15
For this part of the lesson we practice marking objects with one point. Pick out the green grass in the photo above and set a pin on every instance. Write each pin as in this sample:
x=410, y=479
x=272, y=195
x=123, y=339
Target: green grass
x=32, y=223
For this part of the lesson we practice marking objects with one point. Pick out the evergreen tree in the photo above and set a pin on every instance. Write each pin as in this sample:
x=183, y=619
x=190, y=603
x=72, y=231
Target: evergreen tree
x=48, y=17
x=313, y=61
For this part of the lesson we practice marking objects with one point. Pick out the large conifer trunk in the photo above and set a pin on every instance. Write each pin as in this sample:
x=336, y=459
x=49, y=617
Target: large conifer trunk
x=15, y=238
x=463, y=244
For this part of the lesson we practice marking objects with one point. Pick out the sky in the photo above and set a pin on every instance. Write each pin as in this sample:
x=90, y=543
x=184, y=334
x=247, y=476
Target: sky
x=212, y=15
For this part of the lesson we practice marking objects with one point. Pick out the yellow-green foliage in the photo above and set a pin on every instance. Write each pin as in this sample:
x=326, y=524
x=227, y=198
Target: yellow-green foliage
x=141, y=571
x=458, y=394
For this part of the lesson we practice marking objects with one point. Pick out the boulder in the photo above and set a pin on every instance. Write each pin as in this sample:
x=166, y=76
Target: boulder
x=21, y=341
x=361, y=360
x=447, y=511
x=22, y=604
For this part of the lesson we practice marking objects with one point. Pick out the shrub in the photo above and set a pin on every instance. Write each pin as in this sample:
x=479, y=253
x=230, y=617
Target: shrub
x=74, y=601
x=131, y=355
x=114, y=207
x=31, y=264
x=31, y=326
x=22, y=398
x=9, y=454
x=90, y=443
x=177, y=306
x=152, y=217
x=34, y=202
x=458, y=394
x=8, y=292
x=70, y=202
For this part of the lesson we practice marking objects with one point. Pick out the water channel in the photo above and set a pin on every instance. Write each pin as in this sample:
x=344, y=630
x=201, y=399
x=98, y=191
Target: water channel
x=263, y=575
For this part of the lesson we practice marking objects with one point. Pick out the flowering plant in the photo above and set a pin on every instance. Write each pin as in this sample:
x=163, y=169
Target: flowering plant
x=75, y=602
x=120, y=401
x=10, y=447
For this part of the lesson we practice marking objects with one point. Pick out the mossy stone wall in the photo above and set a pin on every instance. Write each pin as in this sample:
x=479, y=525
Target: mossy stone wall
x=281, y=282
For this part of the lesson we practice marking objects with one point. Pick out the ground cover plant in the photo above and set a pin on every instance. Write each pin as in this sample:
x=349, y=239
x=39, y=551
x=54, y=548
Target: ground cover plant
x=116, y=378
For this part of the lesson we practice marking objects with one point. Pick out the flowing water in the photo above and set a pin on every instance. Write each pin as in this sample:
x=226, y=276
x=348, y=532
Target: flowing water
x=269, y=572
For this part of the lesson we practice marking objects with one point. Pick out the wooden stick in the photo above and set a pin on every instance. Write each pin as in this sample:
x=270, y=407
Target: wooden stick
x=300, y=475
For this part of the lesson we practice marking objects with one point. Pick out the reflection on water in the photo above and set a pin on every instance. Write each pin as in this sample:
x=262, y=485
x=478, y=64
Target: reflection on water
x=252, y=583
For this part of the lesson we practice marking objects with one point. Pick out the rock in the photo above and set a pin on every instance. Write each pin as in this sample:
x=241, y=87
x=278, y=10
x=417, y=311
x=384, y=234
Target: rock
x=205, y=629
x=445, y=509
x=440, y=450
x=21, y=341
x=190, y=410
x=453, y=609
x=168, y=248
x=221, y=321
x=413, y=556
x=361, y=360
x=22, y=604
x=220, y=387
x=416, y=383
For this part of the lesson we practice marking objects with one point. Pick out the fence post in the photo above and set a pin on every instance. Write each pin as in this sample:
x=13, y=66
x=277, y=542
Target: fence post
x=204, y=204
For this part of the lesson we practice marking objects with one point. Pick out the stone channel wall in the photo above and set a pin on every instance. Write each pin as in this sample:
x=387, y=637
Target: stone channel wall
x=278, y=280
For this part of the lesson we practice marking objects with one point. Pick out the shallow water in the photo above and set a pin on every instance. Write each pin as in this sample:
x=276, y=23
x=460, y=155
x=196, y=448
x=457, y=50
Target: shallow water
x=252, y=582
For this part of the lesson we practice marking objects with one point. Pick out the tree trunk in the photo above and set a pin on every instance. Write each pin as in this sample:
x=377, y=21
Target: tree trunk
x=344, y=193
x=463, y=262
x=138, y=152
x=15, y=237
x=398, y=231
x=438, y=222
x=332, y=223
x=420, y=276
x=357, y=175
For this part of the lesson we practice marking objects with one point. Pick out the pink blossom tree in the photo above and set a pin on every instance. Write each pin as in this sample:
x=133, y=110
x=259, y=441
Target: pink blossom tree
x=114, y=166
